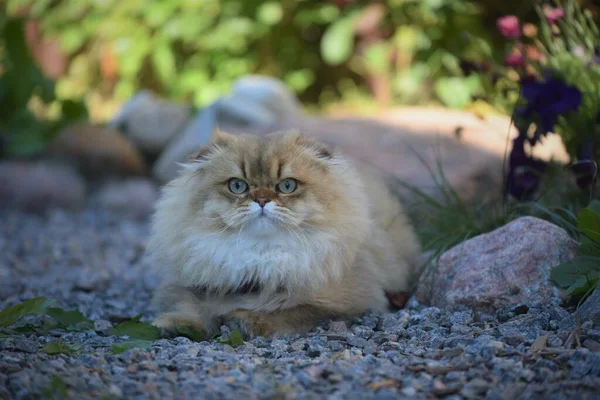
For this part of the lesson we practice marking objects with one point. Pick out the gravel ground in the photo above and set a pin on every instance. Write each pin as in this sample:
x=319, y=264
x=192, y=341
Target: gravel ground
x=95, y=263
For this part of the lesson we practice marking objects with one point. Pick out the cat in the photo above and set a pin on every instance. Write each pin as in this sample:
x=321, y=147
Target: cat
x=277, y=234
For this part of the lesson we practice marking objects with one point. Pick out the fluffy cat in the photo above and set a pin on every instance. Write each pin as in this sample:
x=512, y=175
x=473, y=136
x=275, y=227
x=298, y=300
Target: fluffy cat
x=277, y=233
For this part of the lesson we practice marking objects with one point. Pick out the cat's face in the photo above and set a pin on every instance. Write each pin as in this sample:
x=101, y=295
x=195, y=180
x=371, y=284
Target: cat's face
x=265, y=185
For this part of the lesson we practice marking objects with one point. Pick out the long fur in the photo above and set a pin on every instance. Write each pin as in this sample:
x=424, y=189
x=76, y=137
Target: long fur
x=335, y=245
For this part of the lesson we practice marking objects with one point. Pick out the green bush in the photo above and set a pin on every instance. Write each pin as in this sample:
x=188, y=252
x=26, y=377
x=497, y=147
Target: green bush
x=192, y=50
x=22, y=132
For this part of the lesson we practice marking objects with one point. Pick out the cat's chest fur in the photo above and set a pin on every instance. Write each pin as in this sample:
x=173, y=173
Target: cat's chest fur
x=285, y=260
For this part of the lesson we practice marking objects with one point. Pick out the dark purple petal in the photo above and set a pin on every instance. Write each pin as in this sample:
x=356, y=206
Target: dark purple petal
x=524, y=172
x=548, y=100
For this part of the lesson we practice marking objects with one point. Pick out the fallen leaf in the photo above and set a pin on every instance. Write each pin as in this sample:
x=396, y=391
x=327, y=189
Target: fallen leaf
x=539, y=344
x=381, y=384
x=59, y=347
x=70, y=320
x=234, y=339
x=130, y=344
x=37, y=305
x=136, y=330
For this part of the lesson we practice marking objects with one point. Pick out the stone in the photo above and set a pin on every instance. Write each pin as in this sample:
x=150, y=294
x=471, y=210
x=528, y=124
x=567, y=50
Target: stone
x=132, y=198
x=40, y=186
x=241, y=112
x=590, y=309
x=257, y=101
x=102, y=325
x=462, y=317
x=591, y=345
x=509, y=265
x=197, y=133
x=150, y=122
x=269, y=92
x=98, y=151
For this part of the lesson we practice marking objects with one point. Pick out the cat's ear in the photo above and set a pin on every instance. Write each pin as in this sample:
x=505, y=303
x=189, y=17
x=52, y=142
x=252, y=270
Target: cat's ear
x=222, y=138
x=200, y=155
x=320, y=149
x=219, y=140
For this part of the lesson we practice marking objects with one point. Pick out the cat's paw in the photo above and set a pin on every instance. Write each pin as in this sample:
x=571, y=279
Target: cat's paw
x=169, y=323
x=249, y=323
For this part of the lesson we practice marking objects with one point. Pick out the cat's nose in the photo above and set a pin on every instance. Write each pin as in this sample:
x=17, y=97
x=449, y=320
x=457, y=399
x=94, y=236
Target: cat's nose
x=262, y=201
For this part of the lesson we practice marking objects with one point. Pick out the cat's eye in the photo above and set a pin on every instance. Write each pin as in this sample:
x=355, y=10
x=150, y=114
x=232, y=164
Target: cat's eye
x=287, y=185
x=237, y=186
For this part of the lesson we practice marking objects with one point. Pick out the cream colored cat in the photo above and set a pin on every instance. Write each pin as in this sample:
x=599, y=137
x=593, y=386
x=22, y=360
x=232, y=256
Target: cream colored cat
x=278, y=233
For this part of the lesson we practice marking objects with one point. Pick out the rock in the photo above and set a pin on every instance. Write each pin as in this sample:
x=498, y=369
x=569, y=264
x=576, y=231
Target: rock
x=268, y=92
x=133, y=198
x=257, y=101
x=98, y=151
x=590, y=309
x=196, y=134
x=102, y=325
x=591, y=345
x=37, y=187
x=509, y=265
x=150, y=122
x=242, y=112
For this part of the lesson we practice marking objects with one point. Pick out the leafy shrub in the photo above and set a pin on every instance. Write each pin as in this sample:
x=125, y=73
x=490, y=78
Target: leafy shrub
x=191, y=50
x=581, y=275
x=24, y=133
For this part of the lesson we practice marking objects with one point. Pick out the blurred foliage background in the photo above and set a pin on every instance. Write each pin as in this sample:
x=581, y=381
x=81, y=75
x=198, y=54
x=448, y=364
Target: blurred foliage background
x=100, y=52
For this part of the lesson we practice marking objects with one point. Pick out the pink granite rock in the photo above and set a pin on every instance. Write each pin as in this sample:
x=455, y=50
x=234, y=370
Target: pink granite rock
x=509, y=265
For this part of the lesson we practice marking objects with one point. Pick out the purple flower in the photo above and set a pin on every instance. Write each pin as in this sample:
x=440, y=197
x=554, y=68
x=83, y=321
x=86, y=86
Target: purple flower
x=524, y=172
x=509, y=27
x=547, y=101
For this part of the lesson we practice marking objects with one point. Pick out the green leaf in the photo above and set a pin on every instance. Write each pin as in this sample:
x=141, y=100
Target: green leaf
x=136, y=330
x=594, y=206
x=583, y=284
x=456, y=92
x=130, y=344
x=163, y=60
x=71, y=320
x=588, y=248
x=37, y=305
x=588, y=223
x=338, y=41
x=377, y=57
x=190, y=333
x=270, y=13
x=59, y=347
x=234, y=339
x=568, y=274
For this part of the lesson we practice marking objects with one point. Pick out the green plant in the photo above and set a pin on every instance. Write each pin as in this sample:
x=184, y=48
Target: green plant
x=24, y=133
x=407, y=51
x=581, y=275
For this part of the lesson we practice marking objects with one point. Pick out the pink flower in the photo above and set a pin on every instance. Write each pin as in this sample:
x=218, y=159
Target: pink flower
x=509, y=27
x=514, y=60
x=554, y=14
